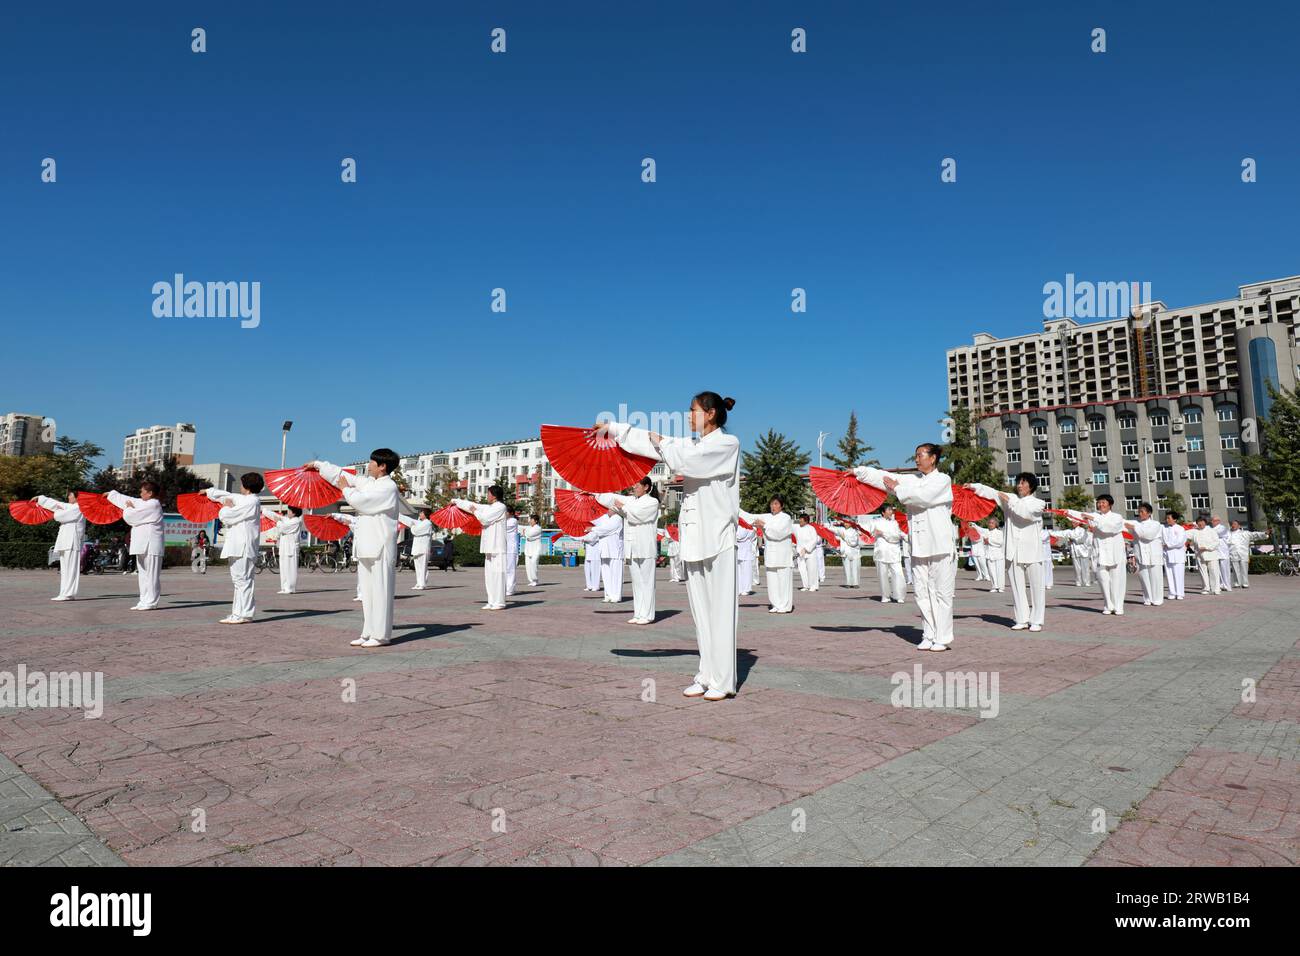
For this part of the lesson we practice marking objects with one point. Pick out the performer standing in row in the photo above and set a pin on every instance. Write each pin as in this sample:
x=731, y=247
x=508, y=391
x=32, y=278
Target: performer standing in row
x=1173, y=539
x=1112, y=563
x=819, y=559
x=710, y=469
x=492, y=544
x=421, y=529
x=288, y=528
x=928, y=500
x=1081, y=555
x=241, y=524
x=906, y=547
x=1239, y=542
x=677, y=574
x=850, y=554
x=1024, y=549
x=887, y=553
x=746, y=556
x=349, y=521
x=979, y=554
x=72, y=535
x=1225, y=553
x=512, y=548
x=375, y=499
x=145, y=516
x=1049, y=558
x=608, y=529
x=996, y=555
x=639, y=514
x=1149, y=549
x=778, y=554
x=591, y=561
x=1205, y=541
x=532, y=548
x=805, y=540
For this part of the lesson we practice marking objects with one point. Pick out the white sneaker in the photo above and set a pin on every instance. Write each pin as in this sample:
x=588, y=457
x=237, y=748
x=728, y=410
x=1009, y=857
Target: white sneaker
x=717, y=695
x=359, y=641
x=356, y=600
x=371, y=642
x=925, y=645
x=1107, y=610
x=695, y=690
x=939, y=647
x=1019, y=627
x=1035, y=627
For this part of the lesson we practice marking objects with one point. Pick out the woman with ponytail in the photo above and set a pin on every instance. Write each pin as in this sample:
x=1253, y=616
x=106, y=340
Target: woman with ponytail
x=710, y=469
x=640, y=514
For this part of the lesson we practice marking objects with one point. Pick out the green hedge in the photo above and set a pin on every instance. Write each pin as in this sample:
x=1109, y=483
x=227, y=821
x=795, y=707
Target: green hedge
x=1263, y=564
x=24, y=554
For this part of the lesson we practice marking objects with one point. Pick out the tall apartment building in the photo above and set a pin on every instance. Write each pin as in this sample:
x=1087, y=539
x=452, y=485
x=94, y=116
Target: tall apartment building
x=157, y=443
x=23, y=435
x=1162, y=400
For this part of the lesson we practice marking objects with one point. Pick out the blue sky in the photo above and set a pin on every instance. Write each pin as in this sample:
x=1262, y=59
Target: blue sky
x=522, y=171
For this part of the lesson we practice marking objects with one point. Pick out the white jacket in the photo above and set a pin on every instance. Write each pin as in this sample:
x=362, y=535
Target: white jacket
x=1024, y=534
x=849, y=540
x=1174, y=540
x=1080, y=542
x=1238, y=542
x=421, y=533
x=146, y=521
x=241, y=523
x=289, y=529
x=1108, y=537
x=778, y=538
x=375, y=500
x=72, y=526
x=928, y=501
x=890, y=539
x=1148, y=542
x=746, y=542
x=994, y=544
x=1223, y=532
x=1206, y=542
x=805, y=539
x=710, y=469
x=608, y=529
x=532, y=540
x=640, y=516
x=493, y=519
x=512, y=535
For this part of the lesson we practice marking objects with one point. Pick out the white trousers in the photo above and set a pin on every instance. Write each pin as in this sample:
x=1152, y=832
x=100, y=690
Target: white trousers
x=1210, y=579
x=69, y=573
x=1114, y=582
x=288, y=572
x=745, y=575
x=530, y=568
x=1241, y=570
x=1082, y=571
x=675, y=570
x=1028, y=592
x=808, y=572
x=611, y=578
x=243, y=571
x=148, y=572
x=892, y=585
x=819, y=560
x=511, y=566
x=907, y=568
x=422, y=570
x=935, y=579
x=852, y=566
x=643, y=588
x=982, y=568
x=591, y=572
x=376, y=579
x=711, y=591
x=1153, y=584
x=780, y=588
x=1225, y=572
x=1174, y=572
x=1049, y=567
x=999, y=568
x=494, y=578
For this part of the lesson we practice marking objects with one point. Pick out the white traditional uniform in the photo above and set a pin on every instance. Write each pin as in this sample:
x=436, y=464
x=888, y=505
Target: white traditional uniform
x=1205, y=541
x=995, y=541
x=1173, y=539
x=640, y=516
x=512, y=552
x=374, y=545
x=421, y=541
x=72, y=535
x=351, y=522
x=1112, y=562
x=805, y=537
x=850, y=553
x=1049, y=560
x=591, y=561
x=819, y=558
x=778, y=558
x=608, y=529
x=492, y=544
x=289, y=529
x=241, y=530
x=532, y=552
x=906, y=547
x=978, y=553
x=928, y=501
x=1081, y=555
x=1225, y=556
x=676, y=572
x=1149, y=548
x=710, y=469
x=1239, y=542
x=146, y=521
x=746, y=558
x=1024, y=554
x=887, y=554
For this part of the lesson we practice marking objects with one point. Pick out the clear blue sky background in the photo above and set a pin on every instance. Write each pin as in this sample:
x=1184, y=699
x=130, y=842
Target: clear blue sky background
x=775, y=170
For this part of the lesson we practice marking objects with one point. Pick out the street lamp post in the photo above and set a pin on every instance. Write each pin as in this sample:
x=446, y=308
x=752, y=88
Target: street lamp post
x=820, y=508
x=284, y=441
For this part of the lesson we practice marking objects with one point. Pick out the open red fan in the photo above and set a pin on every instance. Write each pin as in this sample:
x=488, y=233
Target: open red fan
x=97, y=509
x=900, y=518
x=971, y=532
x=1188, y=527
x=573, y=527
x=745, y=524
x=454, y=516
x=841, y=491
x=968, y=506
x=557, y=536
x=197, y=507
x=29, y=512
x=673, y=532
x=302, y=488
x=588, y=458
x=324, y=527
x=1052, y=539
x=826, y=535
x=578, y=504
x=1128, y=535
x=266, y=524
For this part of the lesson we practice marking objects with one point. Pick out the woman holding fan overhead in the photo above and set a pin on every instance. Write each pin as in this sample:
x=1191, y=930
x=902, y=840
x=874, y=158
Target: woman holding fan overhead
x=710, y=469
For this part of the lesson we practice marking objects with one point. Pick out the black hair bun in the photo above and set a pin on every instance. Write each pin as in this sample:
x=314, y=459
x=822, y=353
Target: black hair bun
x=729, y=402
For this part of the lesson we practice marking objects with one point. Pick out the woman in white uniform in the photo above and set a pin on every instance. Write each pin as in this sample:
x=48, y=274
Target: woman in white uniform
x=996, y=554
x=778, y=554
x=1107, y=528
x=979, y=552
x=350, y=521
x=1173, y=538
x=850, y=555
x=512, y=549
x=421, y=540
x=1024, y=549
x=805, y=540
x=1049, y=562
x=1148, y=547
x=591, y=561
x=241, y=530
x=640, y=515
x=288, y=528
x=710, y=469
x=608, y=529
x=532, y=548
x=72, y=535
x=1081, y=555
x=145, y=516
x=492, y=544
x=676, y=573
x=887, y=553
x=1205, y=541
x=746, y=547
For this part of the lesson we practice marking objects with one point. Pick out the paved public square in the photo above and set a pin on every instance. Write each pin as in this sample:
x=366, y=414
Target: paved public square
x=555, y=733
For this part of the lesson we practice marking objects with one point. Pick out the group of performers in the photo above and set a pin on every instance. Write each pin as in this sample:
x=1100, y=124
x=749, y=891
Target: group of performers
x=715, y=554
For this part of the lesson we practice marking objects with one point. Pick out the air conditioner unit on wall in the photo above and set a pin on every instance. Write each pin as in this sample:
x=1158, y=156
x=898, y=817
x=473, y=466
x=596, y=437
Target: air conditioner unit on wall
x=1184, y=473
x=1083, y=436
x=1218, y=473
x=1182, y=448
x=1176, y=426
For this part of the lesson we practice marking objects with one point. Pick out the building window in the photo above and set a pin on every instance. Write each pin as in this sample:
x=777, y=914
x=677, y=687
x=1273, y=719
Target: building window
x=1192, y=416
x=1132, y=476
x=1097, y=424
x=1012, y=431
x=1040, y=454
x=1160, y=446
x=1227, y=441
x=1159, y=419
x=1101, y=477
x=1225, y=413
x=1196, y=473
x=1237, y=501
x=1013, y=456
x=1070, y=454
x=1164, y=474
x=1195, y=443
x=1200, y=502
x=1231, y=471
x=1127, y=421
x=1067, y=426
x=1099, y=453
x=1071, y=479
x=1128, y=448
x=1131, y=504
x=1039, y=429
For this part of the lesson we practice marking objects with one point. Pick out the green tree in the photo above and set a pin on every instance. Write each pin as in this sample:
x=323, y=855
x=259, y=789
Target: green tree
x=1273, y=475
x=439, y=493
x=172, y=480
x=1075, y=498
x=775, y=467
x=851, y=451
x=1172, y=501
x=26, y=476
x=964, y=459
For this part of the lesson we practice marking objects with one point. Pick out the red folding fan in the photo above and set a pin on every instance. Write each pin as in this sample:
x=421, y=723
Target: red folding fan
x=673, y=532
x=1128, y=536
x=968, y=506
x=578, y=504
x=266, y=524
x=197, y=507
x=302, y=488
x=972, y=533
x=900, y=517
x=745, y=524
x=841, y=491
x=588, y=458
x=826, y=535
x=573, y=527
x=29, y=512
x=324, y=527
x=454, y=516
x=557, y=536
x=97, y=509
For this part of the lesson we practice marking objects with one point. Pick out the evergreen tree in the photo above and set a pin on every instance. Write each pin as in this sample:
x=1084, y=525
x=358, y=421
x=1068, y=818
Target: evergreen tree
x=964, y=459
x=1274, y=474
x=439, y=493
x=1075, y=498
x=851, y=450
x=776, y=466
x=1172, y=501
x=172, y=480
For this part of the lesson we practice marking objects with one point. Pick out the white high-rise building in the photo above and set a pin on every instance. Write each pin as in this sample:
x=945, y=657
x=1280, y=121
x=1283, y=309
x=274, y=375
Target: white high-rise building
x=22, y=435
x=155, y=444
